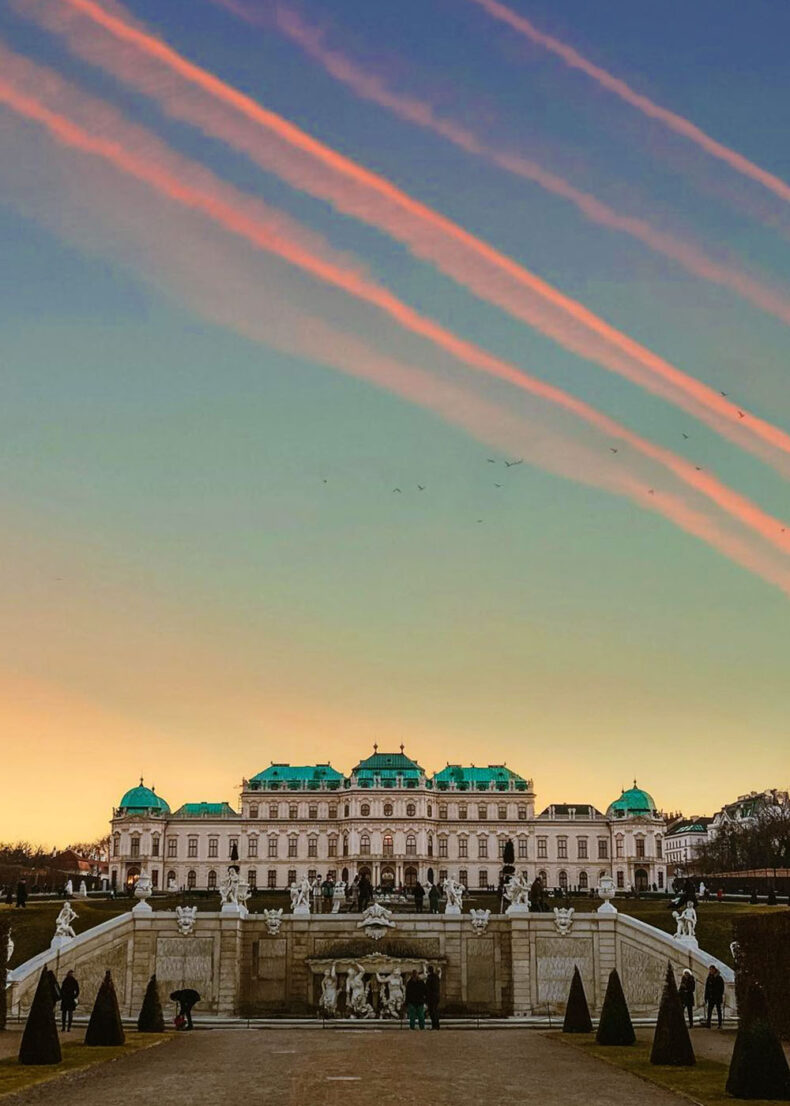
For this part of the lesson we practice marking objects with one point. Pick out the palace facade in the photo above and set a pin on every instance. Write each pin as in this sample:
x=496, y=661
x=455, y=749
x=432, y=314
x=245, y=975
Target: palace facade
x=392, y=820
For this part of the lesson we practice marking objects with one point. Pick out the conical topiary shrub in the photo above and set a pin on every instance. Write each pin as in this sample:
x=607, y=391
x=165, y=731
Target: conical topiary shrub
x=40, y=1041
x=758, y=1068
x=671, y=1040
x=615, y=1026
x=577, y=1012
x=104, y=1027
x=151, y=1019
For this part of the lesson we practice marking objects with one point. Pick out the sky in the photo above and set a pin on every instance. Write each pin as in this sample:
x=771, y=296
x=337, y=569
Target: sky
x=390, y=373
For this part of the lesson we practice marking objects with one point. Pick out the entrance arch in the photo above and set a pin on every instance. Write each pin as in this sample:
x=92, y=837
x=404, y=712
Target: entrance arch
x=410, y=876
x=387, y=875
x=364, y=871
x=132, y=875
x=640, y=879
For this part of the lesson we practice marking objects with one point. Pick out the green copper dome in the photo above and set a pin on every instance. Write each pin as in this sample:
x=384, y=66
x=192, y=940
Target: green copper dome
x=142, y=798
x=386, y=769
x=632, y=803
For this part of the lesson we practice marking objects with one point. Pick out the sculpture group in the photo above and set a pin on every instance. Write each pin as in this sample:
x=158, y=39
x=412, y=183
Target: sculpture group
x=367, y=994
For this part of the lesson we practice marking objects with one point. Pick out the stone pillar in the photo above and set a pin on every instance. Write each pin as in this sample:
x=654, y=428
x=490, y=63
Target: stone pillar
x=143, y=960
x=606, y=960
x=521, y=954
x=229, y=964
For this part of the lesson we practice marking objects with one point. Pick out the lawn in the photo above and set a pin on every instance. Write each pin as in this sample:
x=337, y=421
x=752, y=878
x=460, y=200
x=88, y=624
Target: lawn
x=76, y=1057
x=703, y=1084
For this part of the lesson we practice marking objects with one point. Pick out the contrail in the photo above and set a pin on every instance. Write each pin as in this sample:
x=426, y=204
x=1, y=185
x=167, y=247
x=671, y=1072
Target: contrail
x=231, y=210
x=313, y=167
x=677, y=123
x=369, y=86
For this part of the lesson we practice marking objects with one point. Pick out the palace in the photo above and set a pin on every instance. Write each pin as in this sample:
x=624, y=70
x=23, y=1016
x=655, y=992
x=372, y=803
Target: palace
x=389, y=819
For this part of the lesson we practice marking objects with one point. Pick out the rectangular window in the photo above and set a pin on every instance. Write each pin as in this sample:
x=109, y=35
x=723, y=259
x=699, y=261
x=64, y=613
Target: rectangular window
x=252, y=846
x=442, y=875
x=213, y=846
x=252, y=879
x=293, y=812
x=292, y=843
x=155, y=877
x=192, y=843
x=135, y=846
x=172, y=846
x=562, y=848
x=482, y=813
x=333, y=812
x=312, y=846
x=640, y=847
x=442, y=846
x=482, y=878
x=463, y=877
x=659, y=848
x=291, y=876
x=618, y=846
x=660, y=879
x=603, y=848
x=482, y=846
x=463, y=847
x=311, y=874
x=332, y=846
x=233, y=843
x=621, y=880
x=502, y=812
x=116, y=845
x=443, y=812
x=582, y=843
x=273, y=814
x=501, y=847
x=312, y=812
x=522, y=848
x=522, y=814
x=155, y=845
x=462, y=813
x=271, y=879
x=273, y=847
x=543, y=848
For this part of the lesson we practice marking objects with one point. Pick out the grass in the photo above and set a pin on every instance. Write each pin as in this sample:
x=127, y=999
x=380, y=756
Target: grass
x=34, y=926
x=15, y=1077
x=703, y=1084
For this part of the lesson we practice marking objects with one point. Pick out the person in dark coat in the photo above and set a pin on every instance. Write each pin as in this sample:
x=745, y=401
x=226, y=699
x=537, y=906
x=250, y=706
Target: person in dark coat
x=365, y=893
x=433, y=898
x=186, y=999
x=419, y=896
x=69, y=993
x=686, y=990
x=714, y=994
x=21, y=893
x=432, y=995
x=415, y=1000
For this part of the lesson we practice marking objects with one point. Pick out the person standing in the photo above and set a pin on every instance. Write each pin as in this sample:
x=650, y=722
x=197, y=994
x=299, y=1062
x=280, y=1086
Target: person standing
x=433, y=898
x=415, y=1000
x=714, y=994
x=186, y=999
x=419, y=896
x=69, y=993
x=327, y=890
x=21, y=893
x=686, y=991
x=432, y=995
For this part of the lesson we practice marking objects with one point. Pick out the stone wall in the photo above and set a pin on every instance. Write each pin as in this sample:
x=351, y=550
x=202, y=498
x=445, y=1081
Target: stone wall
x=521, y=965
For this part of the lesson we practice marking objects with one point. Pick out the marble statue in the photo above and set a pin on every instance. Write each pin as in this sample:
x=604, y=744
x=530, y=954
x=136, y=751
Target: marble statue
x=376, y=920
x=686, y=922
x=329, y=992
x=171, y=884
x=338, y=896
x=186, y=917
x=606, y=891
x=300, y=896
x=356, y=993
x=68, y=890
x=702, y=890
x=517, y=891
x=273, y=920
x=563, y=920
x=479, y=920
x=64, y=931
x=143, y=890
x=243, y=894
x=229, y=887
x=9, y=951
x=454, y=894
x=83, y=891
x=395, y=993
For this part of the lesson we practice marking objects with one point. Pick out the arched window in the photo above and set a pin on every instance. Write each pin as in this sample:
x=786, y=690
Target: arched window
x=430, y=844
x=430, y=810
x=482, y=878
x=544, y=879
x=345, y=845
x=563, y=878
x=463, y=877
x=583, y=881
x=346, y=810
x=388, y=810
x=388, y=844
x=155, y=844
x=410, y=876
x=411, y=845
x=254, y=810
x=212, y=880
x=411, y=810
x=116, y=844
x=191, y=879
x=364, y=844
x=171, y=881
x=364, y=810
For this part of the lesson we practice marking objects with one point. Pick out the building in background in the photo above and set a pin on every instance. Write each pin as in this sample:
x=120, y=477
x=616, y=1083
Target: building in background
x=392, y=820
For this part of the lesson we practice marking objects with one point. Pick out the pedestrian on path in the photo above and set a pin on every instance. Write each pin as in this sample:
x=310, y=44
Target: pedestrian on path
x=432, y=995
x=415, y=1000
x=186, y=999
x=714, y=993
x=419, y=896
x=21, y=893
x=686, y=991
x=433, y=899
x=69, y=994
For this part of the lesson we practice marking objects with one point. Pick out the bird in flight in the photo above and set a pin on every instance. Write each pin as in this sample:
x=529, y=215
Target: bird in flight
x=686, y=437
x=651, y=491
x=497, y=485
x=613, y=450
x=397, y=490
x=479, y=520
x=491, y=460
x=421, y=487
x=510, y=464
x=724, y=393
x=741, y=415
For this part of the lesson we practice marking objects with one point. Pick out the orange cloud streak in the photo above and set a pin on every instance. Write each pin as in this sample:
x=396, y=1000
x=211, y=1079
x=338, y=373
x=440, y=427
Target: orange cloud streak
x=369, y=86
x=373, y=199
x=677, y=123
x=234, y=216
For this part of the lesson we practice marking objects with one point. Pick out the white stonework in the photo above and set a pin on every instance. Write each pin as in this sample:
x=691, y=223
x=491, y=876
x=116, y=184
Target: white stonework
x=393, y=821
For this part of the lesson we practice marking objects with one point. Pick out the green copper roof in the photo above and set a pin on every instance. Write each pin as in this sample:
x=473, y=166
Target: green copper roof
x=478, y=779
x=143, y=798
x=634, y=801
x=205, y=810
x=385, y=769
x=296, y=776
